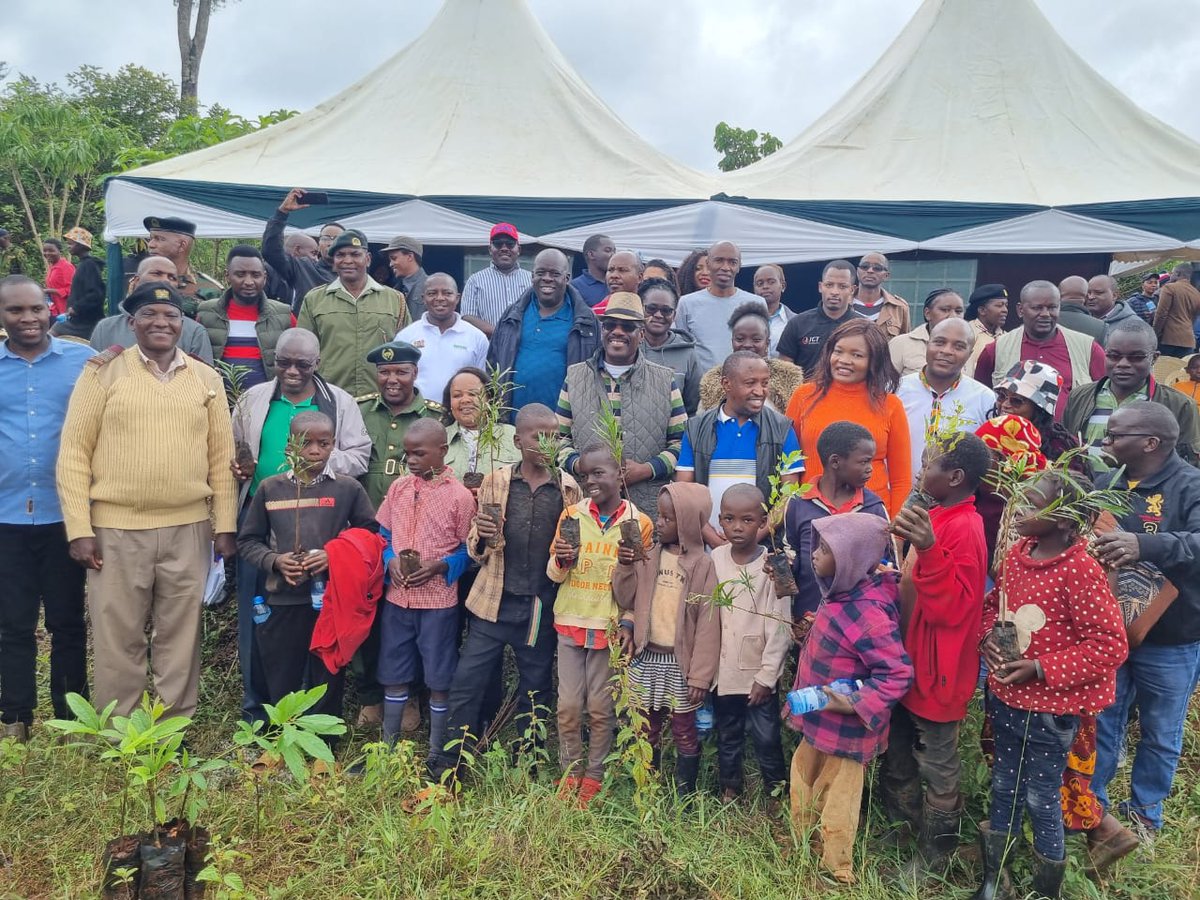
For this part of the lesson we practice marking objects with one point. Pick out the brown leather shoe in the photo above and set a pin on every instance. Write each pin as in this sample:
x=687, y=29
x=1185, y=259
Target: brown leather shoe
x=371, y=716
x=1106, y=843
x=411, y=720
x=18, y=731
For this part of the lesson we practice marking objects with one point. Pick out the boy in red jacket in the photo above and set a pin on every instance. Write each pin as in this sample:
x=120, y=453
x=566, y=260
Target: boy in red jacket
x=941, y=601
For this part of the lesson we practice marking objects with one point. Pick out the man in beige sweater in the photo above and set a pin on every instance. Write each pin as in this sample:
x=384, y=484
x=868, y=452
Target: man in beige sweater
x=143, y=473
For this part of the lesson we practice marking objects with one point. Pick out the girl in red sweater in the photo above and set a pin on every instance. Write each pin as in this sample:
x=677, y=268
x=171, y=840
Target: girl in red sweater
x=1071, y=639
x=854, y=380
x=941, y=602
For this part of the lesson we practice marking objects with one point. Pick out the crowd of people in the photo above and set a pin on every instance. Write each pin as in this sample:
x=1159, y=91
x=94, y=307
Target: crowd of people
x=413, y=478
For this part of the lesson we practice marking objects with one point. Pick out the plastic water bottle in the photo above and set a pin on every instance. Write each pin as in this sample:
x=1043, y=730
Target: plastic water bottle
x=704, y=719
x=262, y=612
x=317, y=592
x=813, y=698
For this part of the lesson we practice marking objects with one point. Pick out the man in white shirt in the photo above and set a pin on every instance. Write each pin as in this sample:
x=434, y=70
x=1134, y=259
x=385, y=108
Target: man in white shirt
x=769, y=284
x=446, y=340
x=939, y=397
x=705, y=314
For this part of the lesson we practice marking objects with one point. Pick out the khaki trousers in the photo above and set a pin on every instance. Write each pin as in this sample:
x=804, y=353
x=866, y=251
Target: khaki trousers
x=827, y=792
x=584, y=685
x=156, y=574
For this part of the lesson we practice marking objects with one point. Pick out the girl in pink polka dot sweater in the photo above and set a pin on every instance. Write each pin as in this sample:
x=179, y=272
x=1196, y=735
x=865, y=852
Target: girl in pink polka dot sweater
x=1071, y=639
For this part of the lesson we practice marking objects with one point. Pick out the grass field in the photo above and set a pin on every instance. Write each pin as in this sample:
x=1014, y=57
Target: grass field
x=507, y=836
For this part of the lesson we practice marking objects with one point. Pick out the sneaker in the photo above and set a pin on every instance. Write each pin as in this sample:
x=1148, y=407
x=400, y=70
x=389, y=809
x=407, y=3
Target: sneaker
x=371, y=716
x=588, y=789
x=1144, y=830
x=18, y=731
x=568, y=786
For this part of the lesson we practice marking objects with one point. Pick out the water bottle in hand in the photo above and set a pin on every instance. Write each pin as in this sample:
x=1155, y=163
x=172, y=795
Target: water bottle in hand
x=317, y=592
x=704, y=719
x=262, y=612
x=813, y=698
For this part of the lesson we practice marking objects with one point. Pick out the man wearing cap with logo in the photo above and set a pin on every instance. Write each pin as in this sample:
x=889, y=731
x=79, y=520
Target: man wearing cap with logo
x=404, y=257
x=491, y=291
x=117, y=330
x=173, y=237
x=85, y=303
x=143, y=464
x=352, y=315
x=446, y=340
x=643, y=395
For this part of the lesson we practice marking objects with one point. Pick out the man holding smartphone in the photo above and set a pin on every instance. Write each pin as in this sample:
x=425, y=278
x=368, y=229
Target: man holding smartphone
x=302, y=274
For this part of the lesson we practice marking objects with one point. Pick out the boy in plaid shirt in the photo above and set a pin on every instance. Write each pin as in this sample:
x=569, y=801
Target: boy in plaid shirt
x=856, y=635
x=428, y=511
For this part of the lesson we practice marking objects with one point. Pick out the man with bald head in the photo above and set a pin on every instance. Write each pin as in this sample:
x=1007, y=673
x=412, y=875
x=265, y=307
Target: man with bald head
x=446, y=340
x=1076, y=356
x=1073, y=291
x=704, y=314
x=299, y=245
x=1104, y=306
x=549, y=328
x=871, y=301
x=769, y=285
x=116, y=330
x=1161, y=530
x=939, y=392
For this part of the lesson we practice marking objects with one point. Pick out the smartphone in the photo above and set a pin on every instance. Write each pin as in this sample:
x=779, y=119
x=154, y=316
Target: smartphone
x=314, y=198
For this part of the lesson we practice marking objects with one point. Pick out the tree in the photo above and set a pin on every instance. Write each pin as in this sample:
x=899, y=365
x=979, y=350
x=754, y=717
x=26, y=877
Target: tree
x=54, y=151
x=742, y=146
x=145, y=102
x=191, y=48
x=195, y=133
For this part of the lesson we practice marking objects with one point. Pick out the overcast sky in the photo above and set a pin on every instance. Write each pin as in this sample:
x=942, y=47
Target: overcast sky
x=671, y=70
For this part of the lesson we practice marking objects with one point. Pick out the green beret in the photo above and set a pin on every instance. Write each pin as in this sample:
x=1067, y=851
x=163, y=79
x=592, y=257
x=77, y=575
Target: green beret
x=394, y=352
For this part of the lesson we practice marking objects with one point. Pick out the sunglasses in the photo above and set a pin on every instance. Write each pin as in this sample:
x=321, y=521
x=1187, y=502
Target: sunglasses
x=504, y=243
x=872, y=267
x=300, y=365
x=665, y=311
x=617, y=324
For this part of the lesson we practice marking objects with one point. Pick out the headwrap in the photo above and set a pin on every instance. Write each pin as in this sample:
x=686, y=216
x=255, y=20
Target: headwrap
x=1015, y=437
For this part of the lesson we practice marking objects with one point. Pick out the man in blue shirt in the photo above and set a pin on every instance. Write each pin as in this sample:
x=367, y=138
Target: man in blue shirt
x=37, y=373
x=592, y=283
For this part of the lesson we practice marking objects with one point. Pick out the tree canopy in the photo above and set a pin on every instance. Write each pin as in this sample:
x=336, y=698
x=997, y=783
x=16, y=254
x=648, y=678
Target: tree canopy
x=742, y=146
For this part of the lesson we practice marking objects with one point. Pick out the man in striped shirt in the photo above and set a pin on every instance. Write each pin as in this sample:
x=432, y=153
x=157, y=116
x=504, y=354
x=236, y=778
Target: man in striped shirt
x=489, y=292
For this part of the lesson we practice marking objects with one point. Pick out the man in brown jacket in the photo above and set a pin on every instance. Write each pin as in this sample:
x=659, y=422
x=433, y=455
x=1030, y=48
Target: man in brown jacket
x=1178, y=305
x=871, y=301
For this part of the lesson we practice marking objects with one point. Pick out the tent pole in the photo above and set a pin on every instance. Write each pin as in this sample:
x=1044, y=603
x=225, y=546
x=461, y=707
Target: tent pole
x=116, y=275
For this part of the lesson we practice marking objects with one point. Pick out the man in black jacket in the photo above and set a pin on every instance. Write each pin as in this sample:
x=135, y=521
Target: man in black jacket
x=548, y=329
x=85, y=303
x=302, y=273
x=1161, y=529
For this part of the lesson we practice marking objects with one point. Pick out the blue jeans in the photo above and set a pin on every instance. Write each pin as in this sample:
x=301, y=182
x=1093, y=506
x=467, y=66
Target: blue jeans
x=1031, y=755
x=1159, y=678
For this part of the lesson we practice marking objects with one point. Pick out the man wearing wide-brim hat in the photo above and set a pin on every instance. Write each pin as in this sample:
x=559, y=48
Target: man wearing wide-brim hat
x=145, y=455
x=85, y=302
x=644, y=395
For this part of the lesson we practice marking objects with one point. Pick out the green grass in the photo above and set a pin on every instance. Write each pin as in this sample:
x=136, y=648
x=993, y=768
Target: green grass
x=508, y=836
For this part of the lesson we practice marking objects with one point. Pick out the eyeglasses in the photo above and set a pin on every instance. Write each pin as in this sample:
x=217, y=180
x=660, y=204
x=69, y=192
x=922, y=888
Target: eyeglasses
x=549, y=273
x=872, y=267
x=504, y=243
x=1135, y=358
x=145, y=315
x=665, y=311
x=1111, y=438
x=615, y=324
x=301, y=365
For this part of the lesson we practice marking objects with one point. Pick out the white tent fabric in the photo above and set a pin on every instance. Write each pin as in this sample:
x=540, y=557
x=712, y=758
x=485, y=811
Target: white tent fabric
x=487, y=94
x=1050, y=231
x=127, y=203
x=763, y=237
x=979, y=101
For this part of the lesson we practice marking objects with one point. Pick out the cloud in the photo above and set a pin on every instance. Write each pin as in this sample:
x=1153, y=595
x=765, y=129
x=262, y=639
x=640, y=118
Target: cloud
x=671, y=71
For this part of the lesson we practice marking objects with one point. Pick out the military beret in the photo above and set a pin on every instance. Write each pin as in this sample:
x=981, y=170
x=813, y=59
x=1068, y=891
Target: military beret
x=152, y=292
x=394, y=352
x=986, y=292
x=353, y=238
x=172, y=224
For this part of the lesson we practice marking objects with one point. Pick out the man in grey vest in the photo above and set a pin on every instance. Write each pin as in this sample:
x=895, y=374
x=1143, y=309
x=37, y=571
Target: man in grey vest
x=643, y=395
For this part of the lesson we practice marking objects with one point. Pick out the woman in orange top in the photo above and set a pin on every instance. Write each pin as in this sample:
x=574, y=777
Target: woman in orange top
x=854, y=381
x=1190, y=384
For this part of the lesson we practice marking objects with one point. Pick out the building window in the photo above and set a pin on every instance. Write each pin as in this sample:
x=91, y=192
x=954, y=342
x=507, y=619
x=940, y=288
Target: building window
x=913, y=279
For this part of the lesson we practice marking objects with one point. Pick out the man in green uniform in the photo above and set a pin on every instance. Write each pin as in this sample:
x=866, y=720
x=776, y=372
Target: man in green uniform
x=173, y=238
x=387, y=415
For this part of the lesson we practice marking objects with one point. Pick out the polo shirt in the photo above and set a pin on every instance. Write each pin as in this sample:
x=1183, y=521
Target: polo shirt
x=33, y=405
x=541, y=363
x=734, y=459
x=970, y=400
x=1106, y=403
x=443, y=352
x=273, y=441
x=593, y=290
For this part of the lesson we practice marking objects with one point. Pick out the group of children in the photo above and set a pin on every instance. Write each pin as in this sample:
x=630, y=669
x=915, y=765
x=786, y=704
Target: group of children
x=894, y=612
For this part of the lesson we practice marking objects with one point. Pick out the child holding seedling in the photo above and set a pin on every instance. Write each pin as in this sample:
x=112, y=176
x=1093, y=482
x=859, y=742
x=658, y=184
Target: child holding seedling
x=583, y=612
x=306, y=508
x=1054, y=600
x=425, y=518
x=856, y=637
x=673, y=636
x=846, y=451
x=941, y=599
x=755, y=637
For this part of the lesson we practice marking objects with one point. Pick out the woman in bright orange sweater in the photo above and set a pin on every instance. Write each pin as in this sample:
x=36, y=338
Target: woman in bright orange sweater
x=854, y=381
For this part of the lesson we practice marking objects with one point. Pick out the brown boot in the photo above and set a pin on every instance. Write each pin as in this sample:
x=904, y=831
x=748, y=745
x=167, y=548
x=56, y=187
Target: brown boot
x=411, y=720
x=18, y=731
x=371, y=716
x=1106, y=843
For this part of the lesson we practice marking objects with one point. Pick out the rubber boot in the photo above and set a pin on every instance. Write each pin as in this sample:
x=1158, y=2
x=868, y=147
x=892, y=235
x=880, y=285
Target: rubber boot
x=656, y=759
x=1048, y=876
x=996, y=884
x=687, y=769
x=937, y=840
x=901, y=801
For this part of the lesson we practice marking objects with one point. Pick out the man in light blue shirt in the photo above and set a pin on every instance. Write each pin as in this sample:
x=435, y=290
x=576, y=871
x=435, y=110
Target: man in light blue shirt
x=37, y=373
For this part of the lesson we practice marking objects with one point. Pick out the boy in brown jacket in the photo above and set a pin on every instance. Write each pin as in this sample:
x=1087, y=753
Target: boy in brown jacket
x=675, y=644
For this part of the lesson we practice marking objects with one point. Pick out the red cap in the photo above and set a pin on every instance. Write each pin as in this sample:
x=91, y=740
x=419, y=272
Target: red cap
x=504, y=228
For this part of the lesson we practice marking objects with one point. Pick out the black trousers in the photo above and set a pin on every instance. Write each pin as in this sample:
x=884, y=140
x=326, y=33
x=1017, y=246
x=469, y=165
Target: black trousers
x=287, y=663
x=37, y=572
x=480, y=658
x=733, y=716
